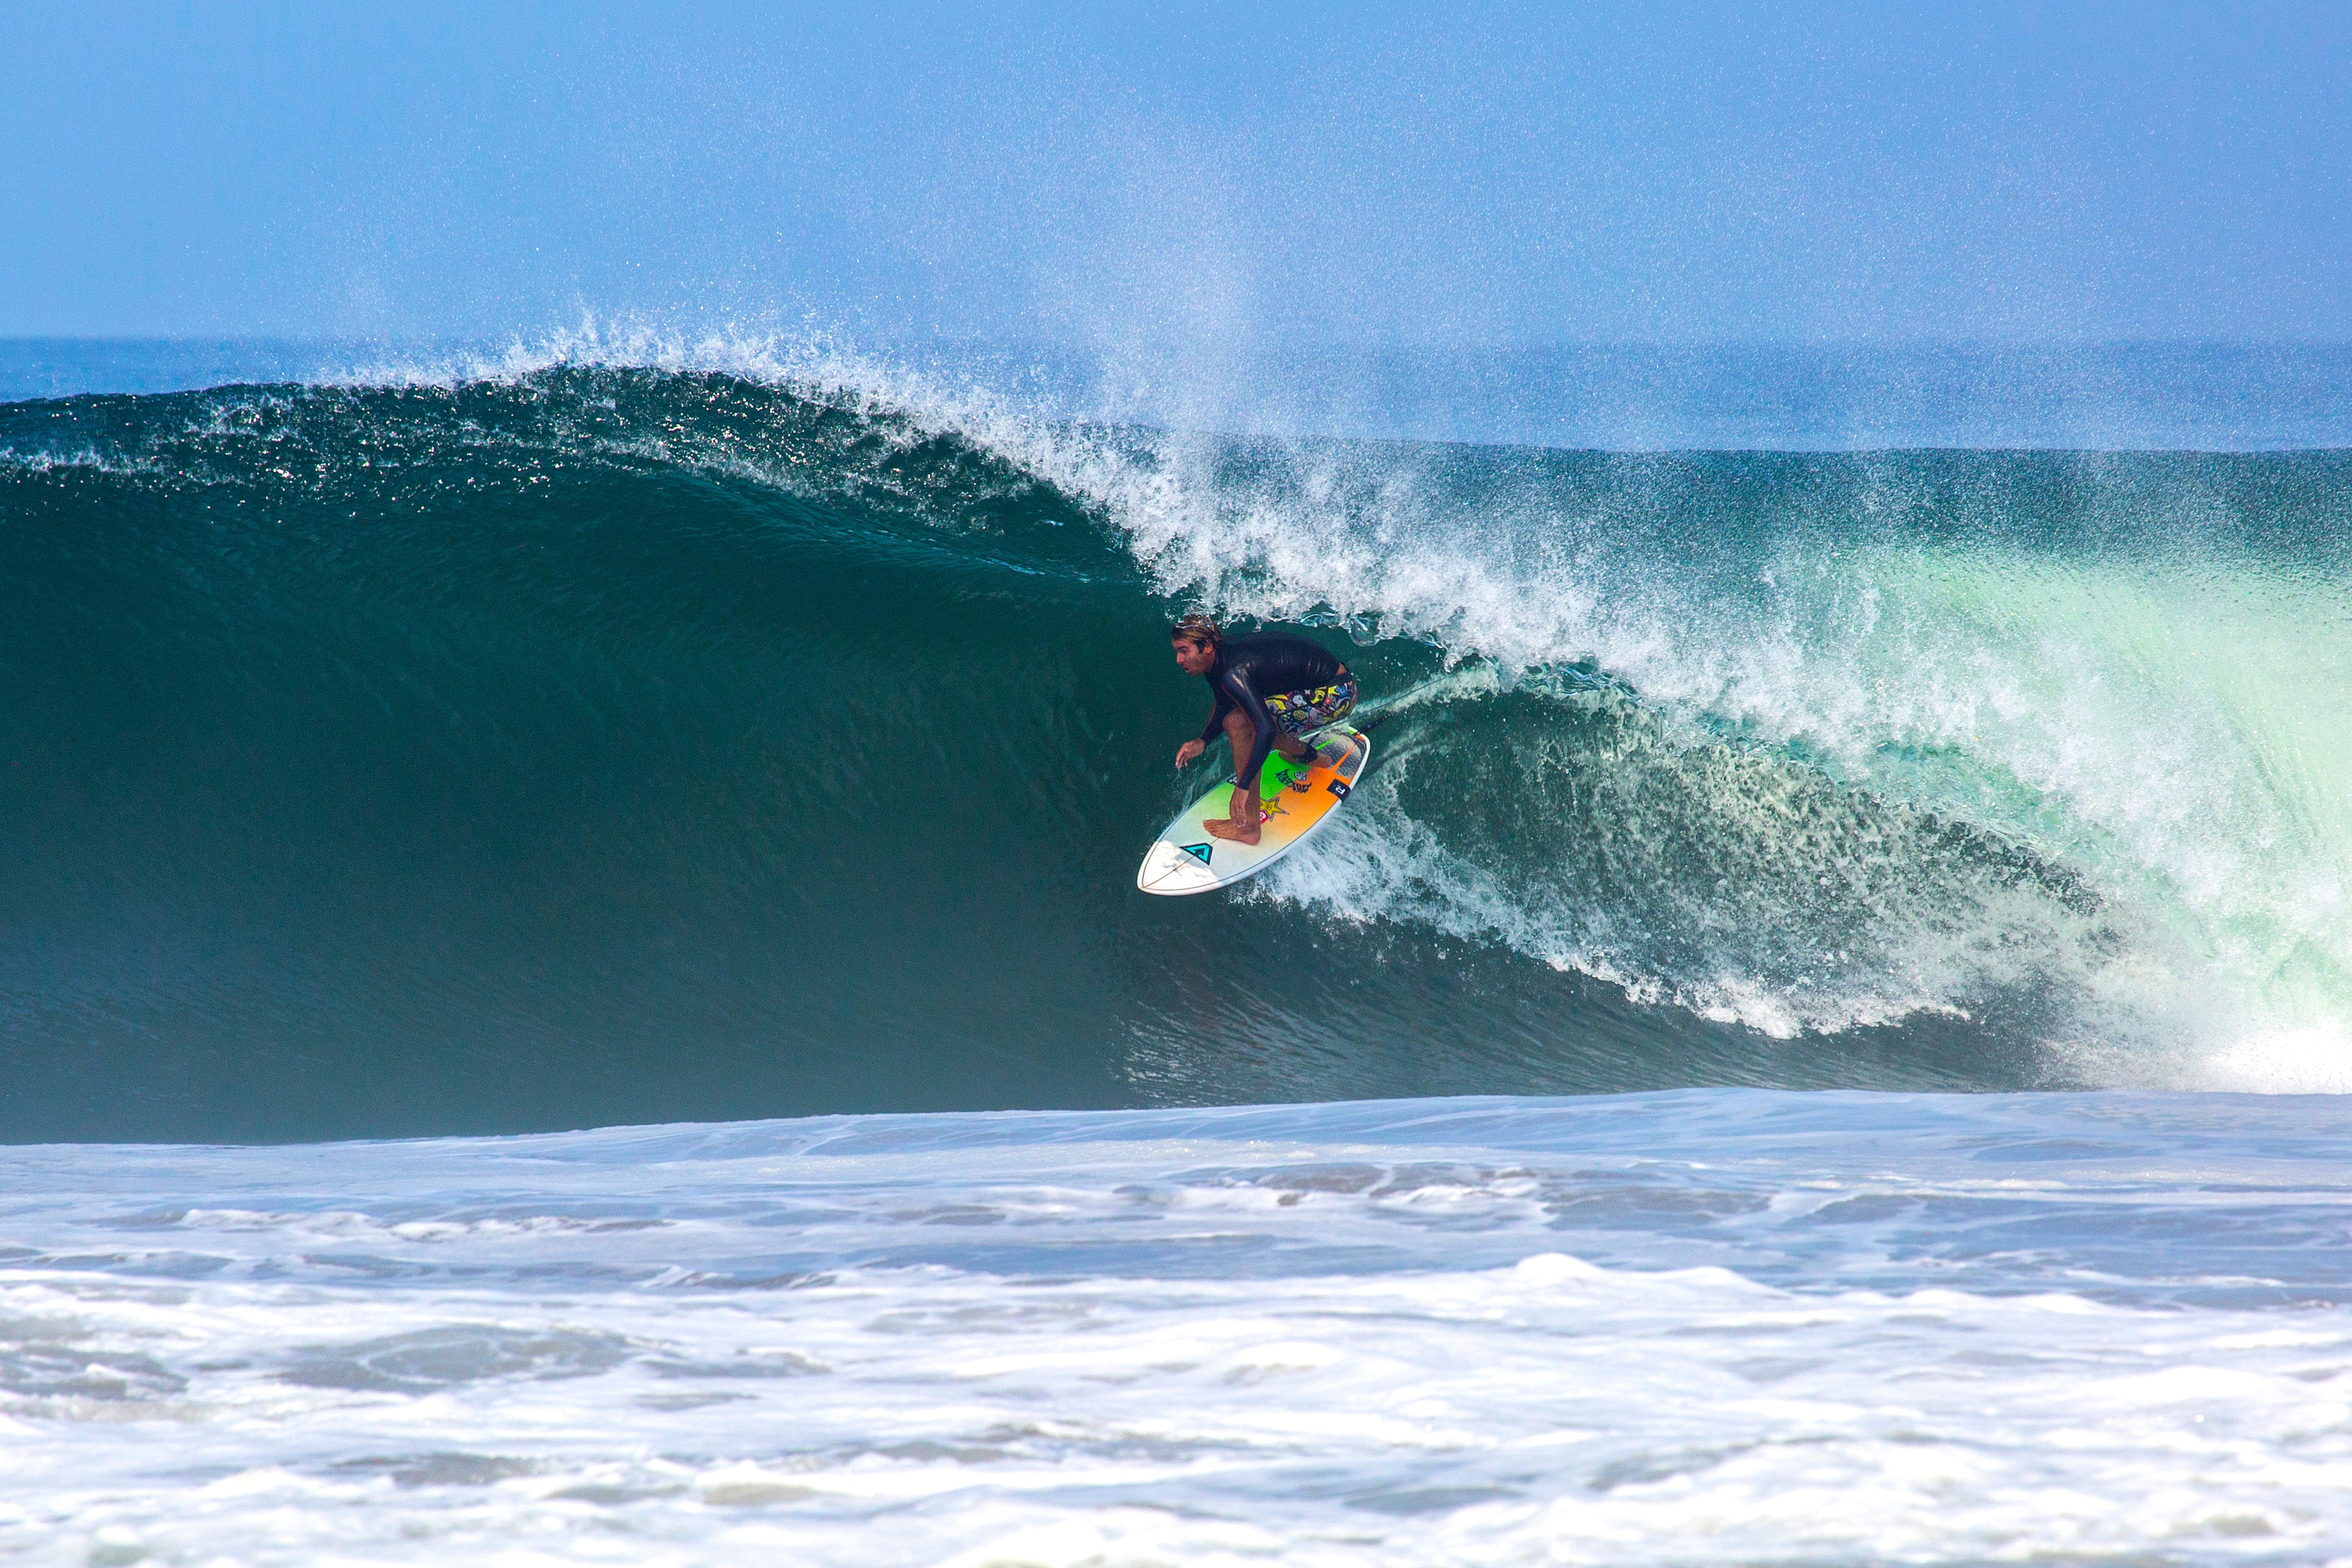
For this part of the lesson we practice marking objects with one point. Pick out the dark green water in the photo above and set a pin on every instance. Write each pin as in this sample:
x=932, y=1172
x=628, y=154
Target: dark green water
x=623, y=746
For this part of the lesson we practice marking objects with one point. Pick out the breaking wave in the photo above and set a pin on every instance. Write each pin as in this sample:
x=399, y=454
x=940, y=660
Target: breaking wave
x=638, y=734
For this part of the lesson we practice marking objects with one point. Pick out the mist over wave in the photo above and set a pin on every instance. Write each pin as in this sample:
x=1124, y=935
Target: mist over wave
x=564, y=739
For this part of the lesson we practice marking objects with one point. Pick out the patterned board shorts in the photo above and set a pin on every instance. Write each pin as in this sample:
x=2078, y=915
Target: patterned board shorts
x=1300, y=711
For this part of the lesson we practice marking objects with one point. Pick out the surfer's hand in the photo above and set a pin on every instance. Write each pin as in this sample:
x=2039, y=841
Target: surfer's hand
x=1188, y=750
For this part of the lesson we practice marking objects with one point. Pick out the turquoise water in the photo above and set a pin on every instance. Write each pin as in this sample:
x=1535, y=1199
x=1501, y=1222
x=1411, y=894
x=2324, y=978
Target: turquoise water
x=409, y=765
x=562, y=744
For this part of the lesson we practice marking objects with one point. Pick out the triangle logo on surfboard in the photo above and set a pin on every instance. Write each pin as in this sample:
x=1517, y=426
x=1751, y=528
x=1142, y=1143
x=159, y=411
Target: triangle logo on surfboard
x=1198, y=851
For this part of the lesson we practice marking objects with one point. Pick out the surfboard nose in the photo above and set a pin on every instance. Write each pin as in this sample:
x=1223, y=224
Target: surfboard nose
x=1177, y=868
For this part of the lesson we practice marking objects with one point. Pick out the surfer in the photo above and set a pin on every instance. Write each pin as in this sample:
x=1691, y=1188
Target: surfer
x=1271, y=689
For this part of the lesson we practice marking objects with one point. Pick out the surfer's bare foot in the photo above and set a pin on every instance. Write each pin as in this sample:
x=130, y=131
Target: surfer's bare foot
x=1225, y=827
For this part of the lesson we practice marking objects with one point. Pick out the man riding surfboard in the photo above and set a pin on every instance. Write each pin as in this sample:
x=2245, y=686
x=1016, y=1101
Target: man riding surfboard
x=1271, y=690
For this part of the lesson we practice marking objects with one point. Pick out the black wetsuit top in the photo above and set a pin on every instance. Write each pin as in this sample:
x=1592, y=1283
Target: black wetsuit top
x=1247, y=669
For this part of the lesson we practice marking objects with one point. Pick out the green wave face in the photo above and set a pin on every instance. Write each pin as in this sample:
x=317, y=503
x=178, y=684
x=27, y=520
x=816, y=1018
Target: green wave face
x=610, y=745
x=2168, y=722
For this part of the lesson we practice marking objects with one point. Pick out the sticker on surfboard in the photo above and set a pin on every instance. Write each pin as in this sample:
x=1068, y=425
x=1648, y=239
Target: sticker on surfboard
x=1188, y=859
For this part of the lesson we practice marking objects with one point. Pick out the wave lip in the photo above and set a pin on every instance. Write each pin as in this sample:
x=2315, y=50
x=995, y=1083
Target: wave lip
x=1629, y=398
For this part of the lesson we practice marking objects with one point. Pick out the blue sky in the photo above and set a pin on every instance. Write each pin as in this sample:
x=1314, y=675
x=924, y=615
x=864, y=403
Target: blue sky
x=1245, y=172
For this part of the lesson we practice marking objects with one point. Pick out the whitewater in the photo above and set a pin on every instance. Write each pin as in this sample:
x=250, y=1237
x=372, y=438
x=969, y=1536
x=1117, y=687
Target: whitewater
x=570, y=987
x=1705, y=1327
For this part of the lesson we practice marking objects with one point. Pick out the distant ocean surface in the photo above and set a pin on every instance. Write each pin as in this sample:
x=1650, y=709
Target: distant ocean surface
x=476, y=744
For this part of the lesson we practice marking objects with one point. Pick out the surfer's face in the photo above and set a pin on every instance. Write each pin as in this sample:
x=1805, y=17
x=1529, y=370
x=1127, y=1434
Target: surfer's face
x=1194, y=658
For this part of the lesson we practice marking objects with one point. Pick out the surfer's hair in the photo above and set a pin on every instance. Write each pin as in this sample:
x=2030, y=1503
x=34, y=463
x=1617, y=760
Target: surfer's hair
x=1196, y=627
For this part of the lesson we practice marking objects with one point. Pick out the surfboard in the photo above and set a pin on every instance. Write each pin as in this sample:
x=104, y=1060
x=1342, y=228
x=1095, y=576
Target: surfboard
x=1186, y=859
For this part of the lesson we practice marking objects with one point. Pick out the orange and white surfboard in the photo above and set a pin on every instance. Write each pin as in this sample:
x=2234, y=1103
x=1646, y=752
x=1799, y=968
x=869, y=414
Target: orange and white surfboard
x=1186, y=859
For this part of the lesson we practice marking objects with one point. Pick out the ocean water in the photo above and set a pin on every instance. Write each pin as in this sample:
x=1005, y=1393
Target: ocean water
x=740, y=749
x=1708, y=1326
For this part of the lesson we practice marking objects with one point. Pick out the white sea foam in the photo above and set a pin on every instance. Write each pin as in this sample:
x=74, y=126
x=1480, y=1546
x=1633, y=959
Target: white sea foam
x=1716, y=1326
